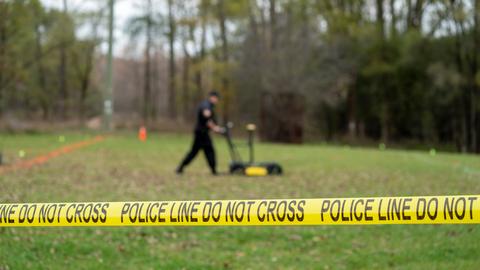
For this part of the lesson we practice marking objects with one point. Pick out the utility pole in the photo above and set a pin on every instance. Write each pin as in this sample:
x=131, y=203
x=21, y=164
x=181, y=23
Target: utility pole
x=108, y=96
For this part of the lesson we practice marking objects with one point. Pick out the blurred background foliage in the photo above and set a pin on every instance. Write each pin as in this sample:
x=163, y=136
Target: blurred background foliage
x=389, y=71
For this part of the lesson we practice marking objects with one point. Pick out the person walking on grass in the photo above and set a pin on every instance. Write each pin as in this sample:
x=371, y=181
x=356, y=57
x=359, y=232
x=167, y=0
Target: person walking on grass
x=205, y=122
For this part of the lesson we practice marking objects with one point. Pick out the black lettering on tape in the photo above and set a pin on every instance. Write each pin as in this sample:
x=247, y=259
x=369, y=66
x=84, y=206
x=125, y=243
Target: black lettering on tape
x=133, y=213
x=78, y=212
x=471, y=199
x=261, y=218
x=335, y=214
x=368, y=208
x=11, y=213
x=217, y=211
x=59, y=214
x=301, y=211
x=281, y=213
x=456, y=208
x=152, y=216
x=432, y=214
x=125, y=208
x=96, y=212
x=405, y=208
x=344, y=218
x=140, y=210
x=103, y=217
x=395, y=211
x=250, y=203
x=67, y=215
x=207, y=212
x=42, y=214
x=194, y=211
x=31, y=213
x=239, y=213
x=460, y=209
x=22, y=213
x=271, y=210
x=87, y=214
x=161, y=211
x=358, y=214
x=291, y=210
x=421, y=209
x=324, y=208
x=172, y=219
x=229, y=211
x=380, y=217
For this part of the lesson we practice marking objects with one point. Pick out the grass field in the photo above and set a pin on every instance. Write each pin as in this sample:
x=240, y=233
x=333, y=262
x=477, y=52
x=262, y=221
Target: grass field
x=122, y=168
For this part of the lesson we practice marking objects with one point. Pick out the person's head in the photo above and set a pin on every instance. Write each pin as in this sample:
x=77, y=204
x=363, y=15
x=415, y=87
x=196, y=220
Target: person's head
x=213, y=97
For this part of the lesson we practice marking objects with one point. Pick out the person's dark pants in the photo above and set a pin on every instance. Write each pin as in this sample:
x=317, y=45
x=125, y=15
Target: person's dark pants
x=203, y=142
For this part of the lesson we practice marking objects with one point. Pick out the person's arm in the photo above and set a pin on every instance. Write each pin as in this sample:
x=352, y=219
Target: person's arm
x=216, y=128
x=211, y=124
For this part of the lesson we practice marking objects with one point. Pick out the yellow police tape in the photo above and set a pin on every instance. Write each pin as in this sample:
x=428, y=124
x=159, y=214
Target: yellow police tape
x=334, y=211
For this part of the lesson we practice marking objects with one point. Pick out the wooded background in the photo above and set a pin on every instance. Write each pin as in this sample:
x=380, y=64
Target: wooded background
x=391, y=71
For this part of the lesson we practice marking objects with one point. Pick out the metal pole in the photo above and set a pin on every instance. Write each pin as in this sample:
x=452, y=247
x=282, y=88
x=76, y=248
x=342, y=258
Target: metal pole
x=250, y=144
x=251, y=129
x=108, y=98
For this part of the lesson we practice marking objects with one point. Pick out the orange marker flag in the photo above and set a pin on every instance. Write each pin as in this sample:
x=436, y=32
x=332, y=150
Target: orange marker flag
x=142, y=134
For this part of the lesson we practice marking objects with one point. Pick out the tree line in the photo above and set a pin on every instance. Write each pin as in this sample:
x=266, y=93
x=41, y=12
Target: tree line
x=384, y=70
x=45, y=68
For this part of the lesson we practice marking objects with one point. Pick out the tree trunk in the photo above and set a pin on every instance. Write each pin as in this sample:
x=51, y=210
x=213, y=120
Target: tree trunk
x=147, y=69
x=41, y=76
x=198, y=82
x=3, y=44
x=224, y=58
x=172, y=68
x=352, y=112
x=273, y=24
x=84, y=72
x=474, y=72
x=199, y=60
x=393, y=17
x=62, y=72
x=83, y=98
x=384, y=115
x=473, y=117
x=380, y=19
x=463, y=98
x=85, y=75
x=186, y=83
x=384, y=111
x=155, y=86
x=251, y=18
x=85, y=81
x=415, y=14
x=418, y=15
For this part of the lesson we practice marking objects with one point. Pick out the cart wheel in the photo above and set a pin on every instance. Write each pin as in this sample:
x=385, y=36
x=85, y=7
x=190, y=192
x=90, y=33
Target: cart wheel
x=275, y=169
x=237, y=169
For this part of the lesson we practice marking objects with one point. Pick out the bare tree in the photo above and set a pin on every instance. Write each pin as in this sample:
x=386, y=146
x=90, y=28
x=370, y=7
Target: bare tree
x=62, y=72
x=172, y=67
x=41, y=72
x=144, y=25
x=85, y=60
x=222, y=20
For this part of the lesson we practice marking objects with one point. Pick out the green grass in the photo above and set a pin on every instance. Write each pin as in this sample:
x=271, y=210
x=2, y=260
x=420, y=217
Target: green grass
x=121, y=168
